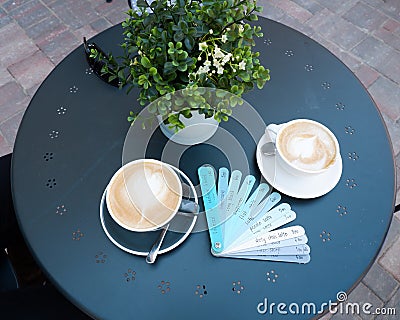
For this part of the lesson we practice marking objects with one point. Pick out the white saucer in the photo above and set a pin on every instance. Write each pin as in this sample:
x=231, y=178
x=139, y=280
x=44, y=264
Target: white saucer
x=139, y=243
x=294, y=186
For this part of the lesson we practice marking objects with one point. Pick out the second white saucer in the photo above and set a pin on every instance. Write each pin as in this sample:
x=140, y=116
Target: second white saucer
x=297, y=187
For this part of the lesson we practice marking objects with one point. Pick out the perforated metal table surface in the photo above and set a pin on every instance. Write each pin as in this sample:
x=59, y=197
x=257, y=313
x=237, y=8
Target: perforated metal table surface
x=70, y=143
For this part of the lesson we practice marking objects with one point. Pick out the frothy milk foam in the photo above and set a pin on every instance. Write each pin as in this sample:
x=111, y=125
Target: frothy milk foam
x=144, y=195
x=307, y=146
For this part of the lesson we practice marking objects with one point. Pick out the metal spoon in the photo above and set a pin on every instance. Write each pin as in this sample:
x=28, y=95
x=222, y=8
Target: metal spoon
x=268, y=148
x=187, y=208
x=152, y=255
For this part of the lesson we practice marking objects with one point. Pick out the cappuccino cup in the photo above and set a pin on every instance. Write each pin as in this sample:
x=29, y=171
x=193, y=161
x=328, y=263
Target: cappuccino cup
x=304, y=147
x=144, y=195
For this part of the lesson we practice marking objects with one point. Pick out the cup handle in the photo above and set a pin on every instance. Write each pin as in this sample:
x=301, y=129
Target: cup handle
x=272, y=130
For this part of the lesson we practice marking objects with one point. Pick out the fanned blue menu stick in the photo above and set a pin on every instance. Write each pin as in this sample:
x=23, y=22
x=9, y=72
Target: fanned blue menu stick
x=223, y=183
x=210, y=200
x=246, y=225
x=233, y=221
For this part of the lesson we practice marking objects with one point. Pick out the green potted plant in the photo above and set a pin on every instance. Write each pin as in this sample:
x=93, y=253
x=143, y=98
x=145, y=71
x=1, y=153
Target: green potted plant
x=172, y=45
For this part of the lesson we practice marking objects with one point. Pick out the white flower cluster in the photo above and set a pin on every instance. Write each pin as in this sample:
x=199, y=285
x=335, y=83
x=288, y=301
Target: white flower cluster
x=219, y=60
x=216, y=59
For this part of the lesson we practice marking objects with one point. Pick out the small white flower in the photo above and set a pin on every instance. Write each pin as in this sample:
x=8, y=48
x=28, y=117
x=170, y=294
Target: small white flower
x=228, y=29
x=242, y=65
x=202, y=46
x=203, y=70
x=233, y=69
x=207, y=63
x=199, y=58
x=218, y=53
x=220, y=70
x=224, y=38
x=139, y=52
x=213, y=71
x=211, y=31
x=241, y=29
x=227, y=58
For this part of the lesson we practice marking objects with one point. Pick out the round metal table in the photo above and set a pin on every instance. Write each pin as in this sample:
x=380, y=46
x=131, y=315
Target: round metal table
x=70, y=143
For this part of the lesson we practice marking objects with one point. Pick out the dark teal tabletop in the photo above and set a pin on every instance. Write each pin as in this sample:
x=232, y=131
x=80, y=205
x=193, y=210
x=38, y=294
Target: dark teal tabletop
x=70, y=143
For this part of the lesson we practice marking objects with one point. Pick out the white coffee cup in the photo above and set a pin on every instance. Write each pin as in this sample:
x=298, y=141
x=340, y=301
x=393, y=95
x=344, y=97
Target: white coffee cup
x=144, y=195
x=304, y=147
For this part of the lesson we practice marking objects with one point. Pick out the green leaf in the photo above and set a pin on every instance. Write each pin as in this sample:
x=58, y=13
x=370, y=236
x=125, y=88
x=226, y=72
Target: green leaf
x=253, y=17
x=164, y=36
x=152, y=107
x=141, y=3
x=182, y=67
x=121, y=74
x=235, y=89
x=183, y=25
x=186, y=113
x=168, y=67
x=179, y=36
x=189, y=43
x=244, y=75
x=153, y=71
x=145, y=62
x=158, y=79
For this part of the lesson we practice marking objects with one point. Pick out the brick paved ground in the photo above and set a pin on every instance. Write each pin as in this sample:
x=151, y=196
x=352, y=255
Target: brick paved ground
x=35, y=35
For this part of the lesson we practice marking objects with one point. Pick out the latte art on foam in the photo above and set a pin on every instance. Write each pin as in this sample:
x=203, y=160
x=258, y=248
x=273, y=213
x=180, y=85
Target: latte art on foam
x=144, y=195
x=307, y=146
x=147, y=189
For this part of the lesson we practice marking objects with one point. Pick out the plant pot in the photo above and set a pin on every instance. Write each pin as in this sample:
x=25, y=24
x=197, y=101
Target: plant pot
x=197, y=129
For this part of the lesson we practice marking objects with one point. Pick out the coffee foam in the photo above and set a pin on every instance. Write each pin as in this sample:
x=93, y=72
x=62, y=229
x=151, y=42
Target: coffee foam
x=307, y=146
x=144, y=195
